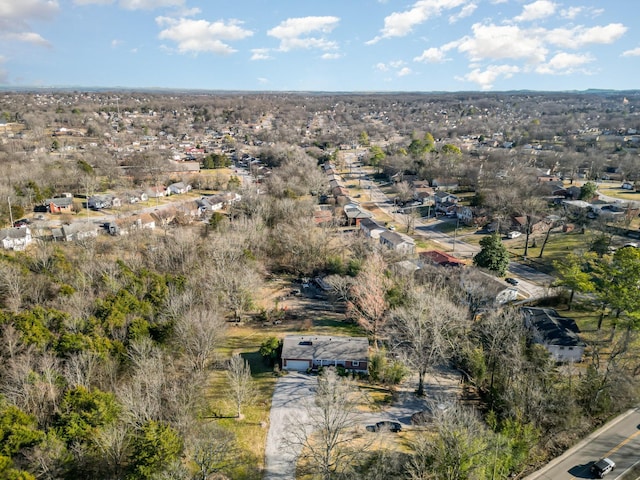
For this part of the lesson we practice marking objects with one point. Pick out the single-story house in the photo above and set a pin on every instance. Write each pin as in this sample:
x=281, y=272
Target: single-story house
x=98, y=202
x=304, y=352
x=559, y=335
x=15, y=238
x=156, y=192
x=398, y=242
x=144, y=221
x=74, y=232
x=371, y=228
x=442, y=259
x=136, y=196
x=178, y=188
x=355, y=214
x=60, y=204
x=445, y=197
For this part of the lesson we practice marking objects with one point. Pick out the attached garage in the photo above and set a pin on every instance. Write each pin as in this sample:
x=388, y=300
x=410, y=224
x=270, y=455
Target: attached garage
x=299, y=365
x=302, y=352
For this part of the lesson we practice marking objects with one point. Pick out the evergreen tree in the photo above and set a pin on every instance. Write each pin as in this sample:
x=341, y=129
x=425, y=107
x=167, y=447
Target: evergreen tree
x=493, y=256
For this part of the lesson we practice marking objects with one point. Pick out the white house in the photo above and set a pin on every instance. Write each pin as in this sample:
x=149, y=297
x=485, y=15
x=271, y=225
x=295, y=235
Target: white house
x=15, y=238
x=178, y=188
x=371, y=228
x=559, y=335
x=398, y=242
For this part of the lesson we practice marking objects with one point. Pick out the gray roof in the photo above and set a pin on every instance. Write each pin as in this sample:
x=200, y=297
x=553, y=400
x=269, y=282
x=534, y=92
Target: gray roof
x=396, y=238
x=552, y=328
x=322, y=347
x=14, y=233
x=60, y=201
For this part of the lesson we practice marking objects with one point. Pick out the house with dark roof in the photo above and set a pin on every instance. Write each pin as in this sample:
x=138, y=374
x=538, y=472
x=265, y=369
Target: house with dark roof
x=304, y=352
x=75, y=232
x=15, y=238
x=370, y=228
x=558, y=335
x=60, y=205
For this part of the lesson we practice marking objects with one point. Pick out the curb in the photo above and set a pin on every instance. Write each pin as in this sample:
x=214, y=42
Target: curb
x=580, y=444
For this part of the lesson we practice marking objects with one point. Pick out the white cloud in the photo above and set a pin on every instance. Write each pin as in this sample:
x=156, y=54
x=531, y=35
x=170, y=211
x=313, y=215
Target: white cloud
x=580, y=36
x=194, y=36
x=501, y=42
x=115, y=43
x=24, y=10
x=431, y=55
x=403, y=72
x=93, y=2
x=536, y=10
x=16, y=15
x=293, y=33
x=571, y=12
x=260, y=54
x=149, y=4
x=26, y=37
x=466, y=11
x=262, y=80
x=634, y=52
x=400, y=24
x=564, y=63
x=330, y=56
x=381, y=67
x=486, y=78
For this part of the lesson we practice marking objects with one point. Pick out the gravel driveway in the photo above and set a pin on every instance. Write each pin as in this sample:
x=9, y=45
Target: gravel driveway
x=293, y=391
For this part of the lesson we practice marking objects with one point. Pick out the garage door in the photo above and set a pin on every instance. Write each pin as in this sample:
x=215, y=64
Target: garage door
x=299, y=365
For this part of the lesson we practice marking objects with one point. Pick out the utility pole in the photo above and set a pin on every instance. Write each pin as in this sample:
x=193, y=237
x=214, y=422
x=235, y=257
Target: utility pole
x=10, y=212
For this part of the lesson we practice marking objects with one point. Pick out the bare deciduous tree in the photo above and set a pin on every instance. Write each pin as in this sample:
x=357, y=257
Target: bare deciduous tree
x=327, y=436
x=425, y=328
x=198, y=332
x=367, y=303
x=240, y=383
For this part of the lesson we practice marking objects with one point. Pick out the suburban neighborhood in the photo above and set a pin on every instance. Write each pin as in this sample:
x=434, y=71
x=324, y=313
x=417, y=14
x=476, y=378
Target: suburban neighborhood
x=212, y=286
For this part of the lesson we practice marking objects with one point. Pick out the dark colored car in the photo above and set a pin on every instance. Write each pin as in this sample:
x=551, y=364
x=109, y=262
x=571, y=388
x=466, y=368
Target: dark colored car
x=602, y=467
x=511, y=281
x=388, y=425
x=22, y=223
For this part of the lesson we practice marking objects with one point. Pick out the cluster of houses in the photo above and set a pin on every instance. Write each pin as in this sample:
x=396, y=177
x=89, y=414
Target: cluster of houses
x=557, y=334
x=18, y=238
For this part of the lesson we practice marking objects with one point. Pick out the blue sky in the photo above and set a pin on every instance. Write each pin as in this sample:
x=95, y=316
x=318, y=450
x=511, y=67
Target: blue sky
x=322, y=45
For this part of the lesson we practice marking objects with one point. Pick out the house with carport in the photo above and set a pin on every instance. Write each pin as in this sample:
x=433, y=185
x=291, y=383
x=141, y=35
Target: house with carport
x=310, y=352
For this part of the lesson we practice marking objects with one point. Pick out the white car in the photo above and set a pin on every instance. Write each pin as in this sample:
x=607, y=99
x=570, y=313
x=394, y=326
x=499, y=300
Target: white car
x=513, y=234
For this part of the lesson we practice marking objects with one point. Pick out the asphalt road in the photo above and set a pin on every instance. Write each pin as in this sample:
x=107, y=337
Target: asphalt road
x=619, y=440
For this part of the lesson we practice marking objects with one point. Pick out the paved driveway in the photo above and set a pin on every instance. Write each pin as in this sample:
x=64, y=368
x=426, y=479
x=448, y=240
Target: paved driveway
x=293, y=391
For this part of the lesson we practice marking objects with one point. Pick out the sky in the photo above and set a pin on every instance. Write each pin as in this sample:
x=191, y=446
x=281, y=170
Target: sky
x=321, y=45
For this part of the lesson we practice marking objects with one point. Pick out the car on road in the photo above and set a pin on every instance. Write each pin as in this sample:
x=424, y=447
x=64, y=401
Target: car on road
x=385, y=426
x=511, y=281
x=602, y=467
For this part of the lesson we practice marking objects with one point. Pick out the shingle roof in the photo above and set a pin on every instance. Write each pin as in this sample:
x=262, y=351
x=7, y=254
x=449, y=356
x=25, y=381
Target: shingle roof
x=552, y=328
x=323, y=347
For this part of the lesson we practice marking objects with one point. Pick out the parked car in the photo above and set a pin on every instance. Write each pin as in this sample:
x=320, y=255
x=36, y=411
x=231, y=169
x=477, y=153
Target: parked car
x=385, y=425
x=511, y=281
x=602, y=467
x=513, y=234
x=22, y=222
